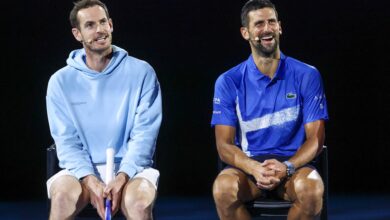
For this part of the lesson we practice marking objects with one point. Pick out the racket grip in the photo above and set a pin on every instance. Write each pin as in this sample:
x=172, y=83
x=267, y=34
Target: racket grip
x=108, y=210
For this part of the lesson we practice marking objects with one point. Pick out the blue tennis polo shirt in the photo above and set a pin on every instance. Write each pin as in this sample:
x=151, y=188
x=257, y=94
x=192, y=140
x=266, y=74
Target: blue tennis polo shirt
x=269, y=114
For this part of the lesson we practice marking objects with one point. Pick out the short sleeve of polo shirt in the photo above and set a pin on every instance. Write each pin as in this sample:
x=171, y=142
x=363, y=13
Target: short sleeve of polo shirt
x=224, y=102
x=314, y=100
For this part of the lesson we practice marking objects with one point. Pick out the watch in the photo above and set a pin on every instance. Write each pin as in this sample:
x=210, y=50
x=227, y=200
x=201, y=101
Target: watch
x=290, y=168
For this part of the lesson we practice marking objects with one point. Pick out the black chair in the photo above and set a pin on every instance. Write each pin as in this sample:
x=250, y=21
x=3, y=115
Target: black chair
x=89, y=212
x=276, y=208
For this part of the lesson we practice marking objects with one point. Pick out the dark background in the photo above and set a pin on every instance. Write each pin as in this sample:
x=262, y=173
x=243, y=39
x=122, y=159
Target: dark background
x=190, y=43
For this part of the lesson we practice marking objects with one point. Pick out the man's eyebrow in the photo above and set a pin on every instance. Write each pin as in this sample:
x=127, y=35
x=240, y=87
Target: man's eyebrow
x=88, y=22
x=259, y=22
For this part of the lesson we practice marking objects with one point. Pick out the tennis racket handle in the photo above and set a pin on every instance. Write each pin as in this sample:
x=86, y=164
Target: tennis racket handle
x=108, y=210
x=110, y=152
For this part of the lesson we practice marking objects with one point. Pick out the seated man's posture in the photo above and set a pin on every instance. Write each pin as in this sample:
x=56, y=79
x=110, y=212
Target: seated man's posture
x=102, y=99
x=269, y=114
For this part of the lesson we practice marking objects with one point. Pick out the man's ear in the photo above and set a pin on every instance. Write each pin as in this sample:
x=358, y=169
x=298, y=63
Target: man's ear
x=111, y=25
x=76, y=34
x=245, y=33
x=280, y=27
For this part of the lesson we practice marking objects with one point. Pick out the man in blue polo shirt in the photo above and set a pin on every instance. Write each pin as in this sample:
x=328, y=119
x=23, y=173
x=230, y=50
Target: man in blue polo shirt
x=269, y=114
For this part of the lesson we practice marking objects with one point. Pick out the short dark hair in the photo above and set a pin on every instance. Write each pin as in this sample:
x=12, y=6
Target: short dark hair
x=252, y=5
x=82, y=5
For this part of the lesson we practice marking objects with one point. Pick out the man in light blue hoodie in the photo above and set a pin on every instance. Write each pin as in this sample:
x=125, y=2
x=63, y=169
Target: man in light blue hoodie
x=103, y=98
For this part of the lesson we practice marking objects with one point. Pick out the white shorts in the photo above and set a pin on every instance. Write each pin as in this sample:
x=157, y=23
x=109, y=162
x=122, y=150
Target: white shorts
x=151, y=174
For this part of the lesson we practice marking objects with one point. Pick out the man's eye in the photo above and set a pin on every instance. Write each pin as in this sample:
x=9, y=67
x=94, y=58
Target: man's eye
x=260, y=24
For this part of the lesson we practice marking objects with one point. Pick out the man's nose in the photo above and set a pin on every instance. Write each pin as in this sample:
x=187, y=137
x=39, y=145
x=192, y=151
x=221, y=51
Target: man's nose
x=266, y=26
x=99, y=28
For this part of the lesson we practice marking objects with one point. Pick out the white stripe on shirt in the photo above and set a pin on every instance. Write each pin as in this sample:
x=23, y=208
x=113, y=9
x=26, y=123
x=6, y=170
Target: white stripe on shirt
x=263, y=122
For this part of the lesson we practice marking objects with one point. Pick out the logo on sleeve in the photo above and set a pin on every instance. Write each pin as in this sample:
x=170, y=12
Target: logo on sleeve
x=319, y=97
x=217, y=101
x=291, y=95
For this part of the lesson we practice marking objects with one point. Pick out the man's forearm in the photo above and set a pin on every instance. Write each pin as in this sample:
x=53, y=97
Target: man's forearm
x=234, y=156
x=315, y=135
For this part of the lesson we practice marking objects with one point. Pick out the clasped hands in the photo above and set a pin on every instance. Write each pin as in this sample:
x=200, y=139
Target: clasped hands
x=269, y=174
x=99, y=191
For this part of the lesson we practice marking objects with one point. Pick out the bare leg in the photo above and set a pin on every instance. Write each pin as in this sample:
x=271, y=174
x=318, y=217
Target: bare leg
x=67, y=198
x=231, y=190
x=305, y=189
x=138, y=198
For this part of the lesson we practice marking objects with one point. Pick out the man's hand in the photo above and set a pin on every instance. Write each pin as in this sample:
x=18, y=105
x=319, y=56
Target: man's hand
x=113, y=191
x=277, y=166
x=95, y=188
x=265, y=177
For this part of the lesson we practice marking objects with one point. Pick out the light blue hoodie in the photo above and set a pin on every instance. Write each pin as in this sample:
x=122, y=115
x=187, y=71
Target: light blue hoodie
x=90, y=111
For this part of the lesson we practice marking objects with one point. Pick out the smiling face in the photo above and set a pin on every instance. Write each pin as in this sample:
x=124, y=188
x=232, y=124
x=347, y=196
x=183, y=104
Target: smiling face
x=263, y=31
x=94, y=29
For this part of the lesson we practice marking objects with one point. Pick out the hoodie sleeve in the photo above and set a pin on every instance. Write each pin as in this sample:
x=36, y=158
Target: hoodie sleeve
x=70, y=151
x=143, y=136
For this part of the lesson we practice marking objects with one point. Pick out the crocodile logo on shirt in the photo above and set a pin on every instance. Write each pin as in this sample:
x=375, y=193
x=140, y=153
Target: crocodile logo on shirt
x=291, y=95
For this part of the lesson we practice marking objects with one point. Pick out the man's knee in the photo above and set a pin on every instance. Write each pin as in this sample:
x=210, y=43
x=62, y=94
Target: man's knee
x=310, y=195
x=63, y=204
x=138, y=198
x=65, y=190
x=64, y=199
x=138, y=207
x=226, y=188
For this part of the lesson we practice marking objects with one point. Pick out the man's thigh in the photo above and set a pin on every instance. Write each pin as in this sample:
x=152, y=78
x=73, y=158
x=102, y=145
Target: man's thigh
x=305, y=179
x=142, y=187
x=63, y=181
x=247, y=188
x=70, y=186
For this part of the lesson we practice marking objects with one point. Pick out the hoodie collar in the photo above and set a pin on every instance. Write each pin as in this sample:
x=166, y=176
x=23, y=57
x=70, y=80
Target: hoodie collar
x=77, y=60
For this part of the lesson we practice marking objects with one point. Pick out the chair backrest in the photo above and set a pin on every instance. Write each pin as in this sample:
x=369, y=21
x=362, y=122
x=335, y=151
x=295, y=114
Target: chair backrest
x=274, y=207
x=51, y=161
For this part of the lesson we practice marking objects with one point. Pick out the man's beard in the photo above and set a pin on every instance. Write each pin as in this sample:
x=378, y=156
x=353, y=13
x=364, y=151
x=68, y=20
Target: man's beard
x=99, y=50
x=267, y=51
